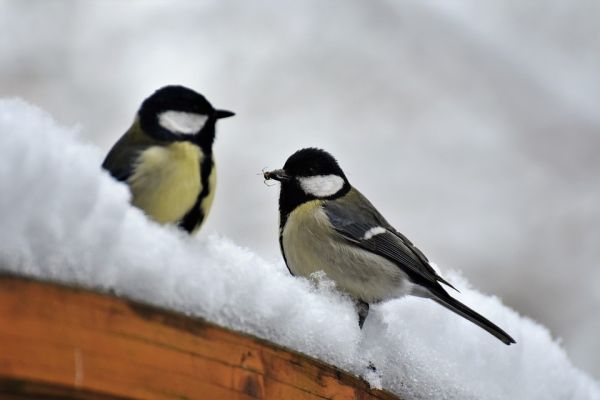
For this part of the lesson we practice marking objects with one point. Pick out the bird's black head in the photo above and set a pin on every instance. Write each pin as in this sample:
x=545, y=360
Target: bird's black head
x=309, y=174
x=176, y=113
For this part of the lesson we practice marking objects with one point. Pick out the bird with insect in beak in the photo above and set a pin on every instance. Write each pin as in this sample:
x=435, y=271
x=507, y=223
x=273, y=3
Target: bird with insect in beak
x=327, y=225
x=166, y=157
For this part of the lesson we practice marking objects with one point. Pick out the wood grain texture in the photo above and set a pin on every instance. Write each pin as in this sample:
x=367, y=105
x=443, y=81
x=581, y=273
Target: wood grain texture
x=64, y=342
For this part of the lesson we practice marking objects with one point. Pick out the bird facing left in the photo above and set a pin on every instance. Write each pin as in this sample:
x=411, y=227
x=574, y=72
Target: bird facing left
x=328, y=225
x=166, y=157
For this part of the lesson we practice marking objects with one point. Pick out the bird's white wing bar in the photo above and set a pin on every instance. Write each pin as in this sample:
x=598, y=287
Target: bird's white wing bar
x=182, y=122
x=321, y=185
x=366, y=231
x=378, y=230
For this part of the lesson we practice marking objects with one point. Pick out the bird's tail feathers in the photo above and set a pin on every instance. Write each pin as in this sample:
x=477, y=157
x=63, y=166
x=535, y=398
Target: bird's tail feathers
x=479, y=320
x=445, y=282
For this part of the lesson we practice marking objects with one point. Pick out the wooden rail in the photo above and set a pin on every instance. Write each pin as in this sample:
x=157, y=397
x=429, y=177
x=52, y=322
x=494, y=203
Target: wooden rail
x=59, y=342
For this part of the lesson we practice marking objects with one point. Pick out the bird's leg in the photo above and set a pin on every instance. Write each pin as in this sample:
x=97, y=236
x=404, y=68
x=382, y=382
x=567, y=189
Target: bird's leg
x=363, y=311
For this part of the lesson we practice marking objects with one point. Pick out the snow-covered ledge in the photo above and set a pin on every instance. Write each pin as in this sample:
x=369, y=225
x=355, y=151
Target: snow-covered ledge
x=64, y=220
x=70, y=343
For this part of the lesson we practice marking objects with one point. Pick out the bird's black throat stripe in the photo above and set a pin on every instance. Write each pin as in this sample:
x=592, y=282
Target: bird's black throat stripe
x=196, y=215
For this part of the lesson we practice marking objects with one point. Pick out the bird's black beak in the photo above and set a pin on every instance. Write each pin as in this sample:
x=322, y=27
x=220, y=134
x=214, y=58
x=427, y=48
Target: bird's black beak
x=224, y=114
x=277, y=174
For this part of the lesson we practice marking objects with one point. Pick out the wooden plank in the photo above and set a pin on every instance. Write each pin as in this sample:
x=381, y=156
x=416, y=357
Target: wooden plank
x=55, y=338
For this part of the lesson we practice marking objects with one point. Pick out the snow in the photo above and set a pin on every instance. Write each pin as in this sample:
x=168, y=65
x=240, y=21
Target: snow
x=63, y=219
x=483, y=117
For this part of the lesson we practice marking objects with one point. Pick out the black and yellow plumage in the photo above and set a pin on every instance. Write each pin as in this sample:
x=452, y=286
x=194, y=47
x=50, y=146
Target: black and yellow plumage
x=328, y=225
x=166, y=157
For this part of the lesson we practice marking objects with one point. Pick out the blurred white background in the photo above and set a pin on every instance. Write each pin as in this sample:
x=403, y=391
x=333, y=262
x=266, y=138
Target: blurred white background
x=473, y=126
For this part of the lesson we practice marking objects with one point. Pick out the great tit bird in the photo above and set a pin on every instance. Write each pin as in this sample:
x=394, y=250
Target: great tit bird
x=327, y=225
x=166, y=157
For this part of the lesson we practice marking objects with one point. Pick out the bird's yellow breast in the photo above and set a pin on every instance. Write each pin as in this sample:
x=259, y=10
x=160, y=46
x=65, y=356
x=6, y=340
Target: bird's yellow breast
x=166, y=181
x=306, y=227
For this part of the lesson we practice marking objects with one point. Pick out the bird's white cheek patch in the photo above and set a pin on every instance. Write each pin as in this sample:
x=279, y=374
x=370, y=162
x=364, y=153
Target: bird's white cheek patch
x=182, y=122
x=378, y=230
x=321, y=185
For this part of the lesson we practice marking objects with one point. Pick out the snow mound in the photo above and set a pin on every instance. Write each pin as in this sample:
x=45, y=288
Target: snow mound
x=64, y=219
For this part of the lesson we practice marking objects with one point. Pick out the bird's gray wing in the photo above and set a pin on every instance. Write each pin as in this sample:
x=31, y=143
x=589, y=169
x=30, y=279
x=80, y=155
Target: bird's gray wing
x=358, y=222
x=122, y=157
x=355, y=218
